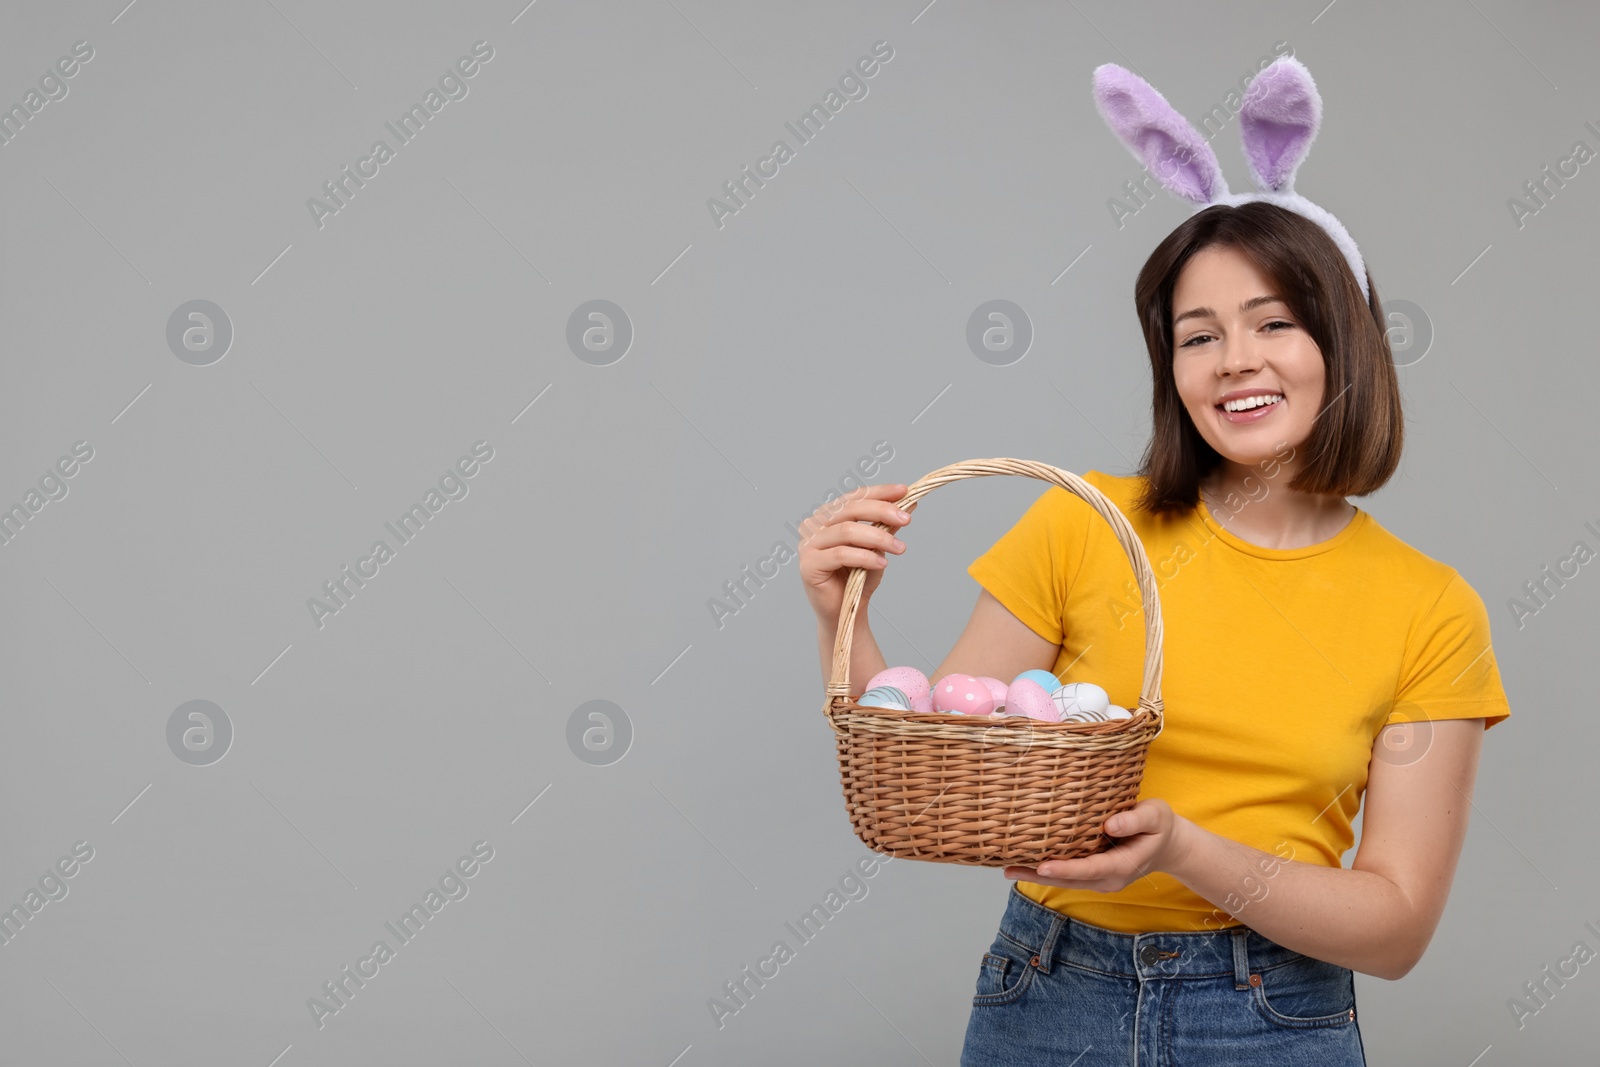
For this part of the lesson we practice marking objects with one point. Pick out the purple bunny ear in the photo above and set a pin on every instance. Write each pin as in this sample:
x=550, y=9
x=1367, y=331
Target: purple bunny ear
x=1160, y=138
x=1278, y=122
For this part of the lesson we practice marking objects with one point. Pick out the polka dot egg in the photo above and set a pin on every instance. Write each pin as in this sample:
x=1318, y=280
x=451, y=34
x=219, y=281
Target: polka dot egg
x=963, y=694
x=997, y=692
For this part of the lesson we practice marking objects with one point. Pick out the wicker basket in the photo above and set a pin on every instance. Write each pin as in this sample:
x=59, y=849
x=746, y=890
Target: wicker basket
x=982, y=791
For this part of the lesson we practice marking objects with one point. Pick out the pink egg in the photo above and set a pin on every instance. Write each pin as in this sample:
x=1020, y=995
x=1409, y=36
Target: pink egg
x=1028, y=697
x=997, y=690
x=962, y=693
x=910, y=681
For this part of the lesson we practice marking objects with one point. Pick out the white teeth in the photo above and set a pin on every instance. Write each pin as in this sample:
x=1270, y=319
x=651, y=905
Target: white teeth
x=1252, y=402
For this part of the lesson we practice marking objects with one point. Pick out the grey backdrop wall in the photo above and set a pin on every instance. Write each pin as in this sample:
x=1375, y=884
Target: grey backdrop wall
x=253, y=374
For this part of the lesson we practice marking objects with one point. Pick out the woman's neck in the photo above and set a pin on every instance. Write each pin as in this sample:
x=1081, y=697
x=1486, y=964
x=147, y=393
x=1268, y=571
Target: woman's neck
x=1266, y=512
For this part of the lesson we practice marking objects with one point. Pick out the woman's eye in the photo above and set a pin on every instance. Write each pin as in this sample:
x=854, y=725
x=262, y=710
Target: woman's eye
x=1204, y=336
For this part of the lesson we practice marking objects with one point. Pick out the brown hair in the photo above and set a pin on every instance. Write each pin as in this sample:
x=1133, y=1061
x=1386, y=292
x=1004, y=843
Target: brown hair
x=1354, y=445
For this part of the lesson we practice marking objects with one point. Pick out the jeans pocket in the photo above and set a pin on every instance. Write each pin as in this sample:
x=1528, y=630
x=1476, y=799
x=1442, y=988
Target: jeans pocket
x=1305, y=993
x=1003, y=976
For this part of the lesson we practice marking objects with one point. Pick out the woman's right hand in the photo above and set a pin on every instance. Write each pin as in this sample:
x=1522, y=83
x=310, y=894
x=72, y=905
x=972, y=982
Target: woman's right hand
x=837, y=542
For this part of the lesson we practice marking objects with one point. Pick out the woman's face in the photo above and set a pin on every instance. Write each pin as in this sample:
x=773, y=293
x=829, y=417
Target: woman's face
x=1221, y=347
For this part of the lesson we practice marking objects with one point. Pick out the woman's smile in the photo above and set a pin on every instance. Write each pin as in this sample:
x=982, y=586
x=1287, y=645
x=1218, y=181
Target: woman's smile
x=1252, y=414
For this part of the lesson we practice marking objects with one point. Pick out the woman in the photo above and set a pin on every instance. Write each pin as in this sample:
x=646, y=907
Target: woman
x=1311, y=658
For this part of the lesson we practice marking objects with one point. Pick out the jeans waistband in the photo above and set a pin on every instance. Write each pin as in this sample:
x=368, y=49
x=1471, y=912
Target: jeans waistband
x=1052, y=938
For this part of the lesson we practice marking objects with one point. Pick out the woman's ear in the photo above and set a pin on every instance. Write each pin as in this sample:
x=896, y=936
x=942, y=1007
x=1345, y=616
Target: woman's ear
x=1177, y=155
x=1278, y=121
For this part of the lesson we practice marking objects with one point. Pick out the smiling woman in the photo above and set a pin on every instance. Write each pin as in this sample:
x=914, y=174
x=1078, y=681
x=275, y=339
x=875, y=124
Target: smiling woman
x=1249, y=303
x=1316, y=667
x=1302, y=331
x=1267, y=346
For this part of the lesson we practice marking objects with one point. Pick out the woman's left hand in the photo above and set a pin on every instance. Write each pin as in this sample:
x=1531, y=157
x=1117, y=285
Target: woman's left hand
x=1151, y=837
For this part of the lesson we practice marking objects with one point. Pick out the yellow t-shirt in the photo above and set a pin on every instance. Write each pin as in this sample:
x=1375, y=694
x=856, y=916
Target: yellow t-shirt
x=1280, y=667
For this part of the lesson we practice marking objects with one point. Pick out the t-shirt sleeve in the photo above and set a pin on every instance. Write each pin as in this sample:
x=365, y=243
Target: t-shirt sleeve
x=1033, y=564
x=1450, y=670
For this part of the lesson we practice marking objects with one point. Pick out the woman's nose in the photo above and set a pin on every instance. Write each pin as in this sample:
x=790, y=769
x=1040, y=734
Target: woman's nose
x=1238, y=356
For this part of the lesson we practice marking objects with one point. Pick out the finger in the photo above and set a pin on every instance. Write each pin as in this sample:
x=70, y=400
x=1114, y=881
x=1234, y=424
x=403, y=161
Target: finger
x=858, y=534
x=873, y=503
x=1138, y=820
x=1099, y=885
x=895, y=516
x=881, y=506
x=849, y=557
x=1085, y=869
x=870, y=495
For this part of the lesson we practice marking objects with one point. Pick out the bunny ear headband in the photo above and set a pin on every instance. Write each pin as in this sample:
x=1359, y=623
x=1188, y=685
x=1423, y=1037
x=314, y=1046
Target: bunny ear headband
x=1277, y=122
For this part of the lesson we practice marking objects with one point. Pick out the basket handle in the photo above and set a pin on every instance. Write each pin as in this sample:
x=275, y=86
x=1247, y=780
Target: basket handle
x=838, y=688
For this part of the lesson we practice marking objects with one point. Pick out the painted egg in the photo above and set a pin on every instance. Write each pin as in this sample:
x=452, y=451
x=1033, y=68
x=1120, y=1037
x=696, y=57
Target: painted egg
x=1027, y=697
x=1082, y=702
x=1115, y=711
x=885, y=696
x=997, y=691
x=1049, y=682
x=963, y=693
x=910, y=681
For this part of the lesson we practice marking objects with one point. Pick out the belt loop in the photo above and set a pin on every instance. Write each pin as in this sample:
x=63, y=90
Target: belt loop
x=1048, y=949
x=1241, y=957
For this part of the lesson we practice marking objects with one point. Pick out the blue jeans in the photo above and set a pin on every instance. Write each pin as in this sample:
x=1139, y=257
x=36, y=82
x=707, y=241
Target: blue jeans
x=1053, y=990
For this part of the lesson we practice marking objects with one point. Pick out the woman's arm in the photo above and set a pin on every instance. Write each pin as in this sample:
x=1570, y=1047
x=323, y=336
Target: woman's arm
x=996, y=644
x=1378, y=915
x=1375, y=917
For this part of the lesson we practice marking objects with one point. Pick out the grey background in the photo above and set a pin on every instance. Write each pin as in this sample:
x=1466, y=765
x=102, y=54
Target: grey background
x=769, y=355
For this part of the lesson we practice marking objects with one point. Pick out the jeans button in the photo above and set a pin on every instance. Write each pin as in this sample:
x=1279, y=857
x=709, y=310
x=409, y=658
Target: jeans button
x=1148, y=955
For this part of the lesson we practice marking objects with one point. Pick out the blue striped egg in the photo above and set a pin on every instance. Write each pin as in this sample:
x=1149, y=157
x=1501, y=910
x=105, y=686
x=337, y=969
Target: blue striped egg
x=885, y=696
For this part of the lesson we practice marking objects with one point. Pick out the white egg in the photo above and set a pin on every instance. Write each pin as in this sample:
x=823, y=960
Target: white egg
x=1077, y=699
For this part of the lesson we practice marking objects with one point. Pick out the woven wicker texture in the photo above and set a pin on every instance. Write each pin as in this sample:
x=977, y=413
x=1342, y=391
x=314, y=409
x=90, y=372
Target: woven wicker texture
x=992, y=792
